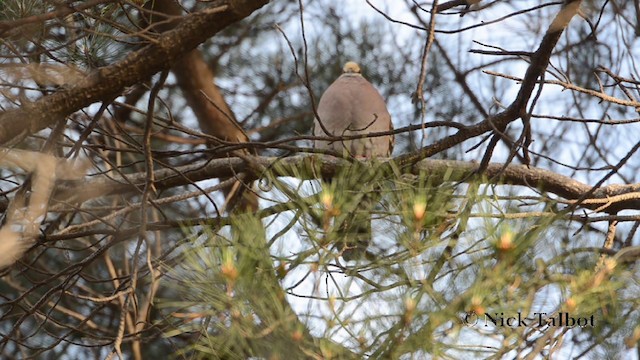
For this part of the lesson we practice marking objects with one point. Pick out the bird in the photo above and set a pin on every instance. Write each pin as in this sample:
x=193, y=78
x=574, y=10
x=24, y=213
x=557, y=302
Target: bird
x=351, y=105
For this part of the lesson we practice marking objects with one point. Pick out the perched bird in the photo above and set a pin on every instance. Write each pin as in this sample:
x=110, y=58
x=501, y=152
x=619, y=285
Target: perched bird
x=352, y=106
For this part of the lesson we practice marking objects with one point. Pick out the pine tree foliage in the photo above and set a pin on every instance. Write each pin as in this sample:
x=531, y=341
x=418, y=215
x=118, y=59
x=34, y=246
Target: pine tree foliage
x=137, y=137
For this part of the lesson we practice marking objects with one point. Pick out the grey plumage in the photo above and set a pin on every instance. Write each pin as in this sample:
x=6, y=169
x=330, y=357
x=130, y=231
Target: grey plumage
x=352, y=106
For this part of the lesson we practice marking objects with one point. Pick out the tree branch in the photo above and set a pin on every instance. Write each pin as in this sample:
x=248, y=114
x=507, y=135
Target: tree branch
x=609, y=198
x=537, y=67
x=138, y=66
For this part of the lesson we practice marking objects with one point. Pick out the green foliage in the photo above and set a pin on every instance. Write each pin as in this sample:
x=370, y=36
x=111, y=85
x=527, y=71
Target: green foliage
x=428, y=278
x=230, y=291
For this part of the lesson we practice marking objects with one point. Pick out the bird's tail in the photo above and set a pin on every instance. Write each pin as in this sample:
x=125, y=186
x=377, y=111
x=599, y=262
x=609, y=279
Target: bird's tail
x=355, y=231
x=361, y=194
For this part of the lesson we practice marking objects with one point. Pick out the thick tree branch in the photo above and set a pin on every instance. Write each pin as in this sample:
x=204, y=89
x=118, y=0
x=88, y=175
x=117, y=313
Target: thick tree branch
x=138, y=66
x=537, y=67
x=451, y=4
x=609, y=198
x=215, y=117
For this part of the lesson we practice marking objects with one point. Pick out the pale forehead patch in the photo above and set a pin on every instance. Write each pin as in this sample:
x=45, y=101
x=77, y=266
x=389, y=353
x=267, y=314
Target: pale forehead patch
x=351, y=67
